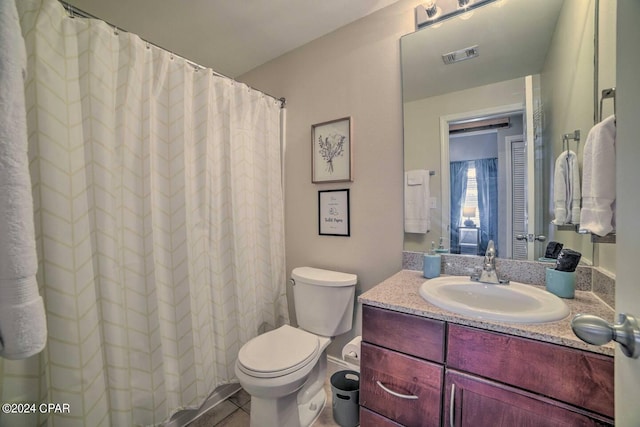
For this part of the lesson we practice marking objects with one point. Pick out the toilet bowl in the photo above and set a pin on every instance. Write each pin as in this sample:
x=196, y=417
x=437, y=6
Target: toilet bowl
x=284, y=370
x=292, y=360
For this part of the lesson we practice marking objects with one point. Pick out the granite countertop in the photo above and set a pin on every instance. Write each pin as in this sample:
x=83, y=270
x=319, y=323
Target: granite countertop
x=400, y=293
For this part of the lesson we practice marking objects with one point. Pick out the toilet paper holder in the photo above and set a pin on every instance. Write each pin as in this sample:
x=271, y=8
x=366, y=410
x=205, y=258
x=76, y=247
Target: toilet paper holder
x=351, y=352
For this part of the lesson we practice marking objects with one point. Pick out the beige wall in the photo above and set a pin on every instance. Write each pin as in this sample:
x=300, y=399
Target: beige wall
x=354, y=71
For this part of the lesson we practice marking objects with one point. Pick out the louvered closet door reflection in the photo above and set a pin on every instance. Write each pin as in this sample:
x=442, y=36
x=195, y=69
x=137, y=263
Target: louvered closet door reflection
x=519, y=198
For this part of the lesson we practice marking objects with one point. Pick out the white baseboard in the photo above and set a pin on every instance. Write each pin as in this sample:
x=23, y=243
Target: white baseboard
x=334, y=365
x=341, y=364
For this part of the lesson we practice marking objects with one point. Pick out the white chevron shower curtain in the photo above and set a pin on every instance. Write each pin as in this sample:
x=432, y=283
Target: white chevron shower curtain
x=159, y=222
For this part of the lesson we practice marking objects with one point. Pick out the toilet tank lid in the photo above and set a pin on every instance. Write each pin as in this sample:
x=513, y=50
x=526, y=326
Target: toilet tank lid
x=320, y=277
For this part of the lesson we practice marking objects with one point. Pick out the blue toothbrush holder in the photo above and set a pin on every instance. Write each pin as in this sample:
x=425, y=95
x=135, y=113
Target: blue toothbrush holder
x=431, y=266
x=561, y=283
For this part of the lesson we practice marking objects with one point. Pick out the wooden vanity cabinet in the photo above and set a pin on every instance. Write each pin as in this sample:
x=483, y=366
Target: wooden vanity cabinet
x=401, y=374
x=479, y=402
x=401, y=387
x=478, y=377
x=413, y=335
x=575, y=377
x=371, y=419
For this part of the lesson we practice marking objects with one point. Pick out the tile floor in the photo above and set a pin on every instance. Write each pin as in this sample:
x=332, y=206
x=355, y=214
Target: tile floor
x=234, y=412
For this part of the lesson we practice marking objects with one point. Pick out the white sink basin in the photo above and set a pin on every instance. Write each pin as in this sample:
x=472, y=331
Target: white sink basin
x=515, y=302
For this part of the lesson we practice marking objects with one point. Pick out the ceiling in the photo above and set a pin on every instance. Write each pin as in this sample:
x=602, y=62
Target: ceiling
x=230, y=36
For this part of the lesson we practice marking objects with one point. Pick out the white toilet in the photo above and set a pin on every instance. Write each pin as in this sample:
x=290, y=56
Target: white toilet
x=284, y=370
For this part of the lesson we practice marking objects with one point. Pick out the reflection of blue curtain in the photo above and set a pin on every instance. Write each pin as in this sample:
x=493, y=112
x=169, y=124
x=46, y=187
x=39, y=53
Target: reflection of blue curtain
x=487, y=179
x=458, y=190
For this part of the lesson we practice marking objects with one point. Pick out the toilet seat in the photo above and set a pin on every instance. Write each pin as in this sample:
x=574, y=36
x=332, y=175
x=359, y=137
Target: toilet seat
x=278, y=352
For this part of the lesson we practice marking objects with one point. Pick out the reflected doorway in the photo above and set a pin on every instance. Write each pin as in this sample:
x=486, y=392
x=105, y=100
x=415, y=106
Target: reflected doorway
x=487, y=162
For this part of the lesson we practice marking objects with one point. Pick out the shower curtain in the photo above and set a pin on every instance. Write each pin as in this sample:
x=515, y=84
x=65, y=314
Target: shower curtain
x=487, y=180
x=159, y=224
x=458, y=178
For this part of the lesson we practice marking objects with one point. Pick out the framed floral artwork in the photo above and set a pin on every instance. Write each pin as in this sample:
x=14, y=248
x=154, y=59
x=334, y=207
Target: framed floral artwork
x=331, y=149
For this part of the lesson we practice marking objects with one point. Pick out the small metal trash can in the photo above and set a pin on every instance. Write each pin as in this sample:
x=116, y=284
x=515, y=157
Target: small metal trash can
x=345, y=387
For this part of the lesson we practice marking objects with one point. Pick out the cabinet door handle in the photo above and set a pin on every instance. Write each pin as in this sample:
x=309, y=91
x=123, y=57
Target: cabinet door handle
x=395, y=393
x=452, y=405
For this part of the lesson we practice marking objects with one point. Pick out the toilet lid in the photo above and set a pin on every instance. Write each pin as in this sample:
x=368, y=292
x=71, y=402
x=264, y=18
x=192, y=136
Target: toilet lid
x=278, y=352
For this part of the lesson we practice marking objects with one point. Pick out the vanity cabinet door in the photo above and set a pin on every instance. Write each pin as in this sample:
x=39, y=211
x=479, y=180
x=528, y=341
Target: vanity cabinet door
x=403, y=388
x=482, y=403
x=579, y=378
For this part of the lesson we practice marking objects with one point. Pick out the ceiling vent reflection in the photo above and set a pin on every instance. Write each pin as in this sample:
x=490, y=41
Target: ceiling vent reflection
x=460, y=55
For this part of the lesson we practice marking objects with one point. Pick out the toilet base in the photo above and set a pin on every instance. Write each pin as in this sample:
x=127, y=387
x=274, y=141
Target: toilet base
x=284, y=412
x=310, y=411
x=298, y=409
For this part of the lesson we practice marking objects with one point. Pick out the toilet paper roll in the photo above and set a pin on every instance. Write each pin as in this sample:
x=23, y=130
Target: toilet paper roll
x=351, y=351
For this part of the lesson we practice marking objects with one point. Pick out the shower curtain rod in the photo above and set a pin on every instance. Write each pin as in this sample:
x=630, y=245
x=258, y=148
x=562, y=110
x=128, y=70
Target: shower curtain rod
x=74, y=11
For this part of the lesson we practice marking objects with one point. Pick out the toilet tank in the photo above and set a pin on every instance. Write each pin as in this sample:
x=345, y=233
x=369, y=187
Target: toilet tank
x=323, y=300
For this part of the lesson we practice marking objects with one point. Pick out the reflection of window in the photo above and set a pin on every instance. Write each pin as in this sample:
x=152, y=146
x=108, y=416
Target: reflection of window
x=471, y=198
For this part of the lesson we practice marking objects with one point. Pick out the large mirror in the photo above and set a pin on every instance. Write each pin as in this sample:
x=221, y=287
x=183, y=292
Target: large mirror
x=490, y=127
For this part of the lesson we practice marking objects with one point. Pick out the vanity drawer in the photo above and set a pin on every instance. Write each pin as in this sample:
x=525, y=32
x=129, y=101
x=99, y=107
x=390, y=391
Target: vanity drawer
x=414, y=335
x=573, y=376
x=400, y=387
x=371, y=419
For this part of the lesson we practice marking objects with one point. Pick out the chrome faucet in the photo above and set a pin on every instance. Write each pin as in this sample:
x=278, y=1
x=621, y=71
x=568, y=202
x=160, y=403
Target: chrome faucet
x=488, y=273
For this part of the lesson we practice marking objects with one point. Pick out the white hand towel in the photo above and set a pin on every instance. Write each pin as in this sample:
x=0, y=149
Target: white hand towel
x=566, y=189
x=575, y=192
x=599, y=179
x=416, y=201
x=23, y=329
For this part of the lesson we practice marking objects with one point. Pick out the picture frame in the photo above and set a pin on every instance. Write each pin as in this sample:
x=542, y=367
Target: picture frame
x=333, y=213
x=331, y=151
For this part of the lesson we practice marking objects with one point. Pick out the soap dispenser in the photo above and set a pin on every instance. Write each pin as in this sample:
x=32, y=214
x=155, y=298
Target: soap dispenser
x=441, y=249
x=431, y=263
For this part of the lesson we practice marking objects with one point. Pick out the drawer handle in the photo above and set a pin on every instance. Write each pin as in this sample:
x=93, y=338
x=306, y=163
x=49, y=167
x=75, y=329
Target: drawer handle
x=395, y=393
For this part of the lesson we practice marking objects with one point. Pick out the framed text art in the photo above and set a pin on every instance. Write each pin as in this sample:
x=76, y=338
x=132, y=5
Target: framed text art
x=333, y=213
x=331, y=150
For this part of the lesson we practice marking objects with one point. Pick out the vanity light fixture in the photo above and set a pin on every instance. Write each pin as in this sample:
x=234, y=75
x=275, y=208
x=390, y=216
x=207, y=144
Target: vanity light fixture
x=431, y=8
x=427, y=13
x=465, y=6
x=432, y=12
